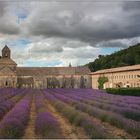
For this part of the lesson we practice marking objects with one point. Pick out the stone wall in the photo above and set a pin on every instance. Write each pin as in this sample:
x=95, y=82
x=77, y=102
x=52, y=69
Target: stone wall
x=8, y=81
x=51, y=81
x=69, y=81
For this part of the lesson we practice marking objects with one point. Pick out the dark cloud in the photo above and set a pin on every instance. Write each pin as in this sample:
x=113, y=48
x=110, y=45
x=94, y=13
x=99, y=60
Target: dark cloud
x=91, y=22
x=8, y=21
x=9, y=29
x=87, y=21
x=44, y=49
x=116, y=44
x=2, y=8
x=132, y=6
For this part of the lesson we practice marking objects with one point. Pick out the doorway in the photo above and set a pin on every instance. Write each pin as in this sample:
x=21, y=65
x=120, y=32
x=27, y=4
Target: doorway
x=6, y=84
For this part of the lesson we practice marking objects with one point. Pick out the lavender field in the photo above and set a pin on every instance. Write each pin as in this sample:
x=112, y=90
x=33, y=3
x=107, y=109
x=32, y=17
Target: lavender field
x=68, y=113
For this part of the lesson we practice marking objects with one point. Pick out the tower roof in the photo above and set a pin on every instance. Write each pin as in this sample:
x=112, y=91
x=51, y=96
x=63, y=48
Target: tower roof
x=6, y=48
x=7, y=61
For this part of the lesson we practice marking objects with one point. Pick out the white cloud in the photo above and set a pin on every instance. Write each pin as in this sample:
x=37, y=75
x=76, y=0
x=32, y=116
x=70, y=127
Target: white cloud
x=50, y=51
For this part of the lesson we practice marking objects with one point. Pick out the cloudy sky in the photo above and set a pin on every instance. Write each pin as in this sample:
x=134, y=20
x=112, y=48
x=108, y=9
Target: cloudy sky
x=57, y=32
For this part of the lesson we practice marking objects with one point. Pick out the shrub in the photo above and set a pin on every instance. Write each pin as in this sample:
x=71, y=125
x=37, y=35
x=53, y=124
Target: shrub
x=47, y=126
x=93, y=130
x=124, y=91
x=134, y=129
x=11, y=128
x=78, y=119
x=14, y=123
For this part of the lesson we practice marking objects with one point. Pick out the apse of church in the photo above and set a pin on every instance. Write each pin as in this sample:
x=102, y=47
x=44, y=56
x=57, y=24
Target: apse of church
x=41, y=77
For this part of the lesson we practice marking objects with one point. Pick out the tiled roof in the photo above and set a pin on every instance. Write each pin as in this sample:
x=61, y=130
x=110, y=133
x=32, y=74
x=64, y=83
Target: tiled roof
x=119, y=69
x=7, y=61
x=28, y=71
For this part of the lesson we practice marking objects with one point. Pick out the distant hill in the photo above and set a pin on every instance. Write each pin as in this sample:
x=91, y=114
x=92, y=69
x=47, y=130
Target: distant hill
x=126, y=57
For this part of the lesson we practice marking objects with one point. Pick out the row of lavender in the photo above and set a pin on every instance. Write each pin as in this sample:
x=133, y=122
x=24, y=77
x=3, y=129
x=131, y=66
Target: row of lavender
x=8, y=101
x=15, y=114
x=7, y=93
x=46, y=125
x=114, y=115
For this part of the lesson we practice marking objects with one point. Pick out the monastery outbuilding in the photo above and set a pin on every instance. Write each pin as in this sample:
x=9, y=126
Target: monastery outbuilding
x=128, y=76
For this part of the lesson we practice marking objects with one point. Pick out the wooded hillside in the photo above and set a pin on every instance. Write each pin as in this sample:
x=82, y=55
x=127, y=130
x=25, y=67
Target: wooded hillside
x=126, y=57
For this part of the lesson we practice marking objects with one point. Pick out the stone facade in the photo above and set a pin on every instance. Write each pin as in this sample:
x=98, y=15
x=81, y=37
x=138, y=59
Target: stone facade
x=41, y=77
x=128, y=76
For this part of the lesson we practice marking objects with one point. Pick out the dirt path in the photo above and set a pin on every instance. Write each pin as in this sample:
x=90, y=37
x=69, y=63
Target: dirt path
x=116, y=132
x=29, y=132
x=69, y=131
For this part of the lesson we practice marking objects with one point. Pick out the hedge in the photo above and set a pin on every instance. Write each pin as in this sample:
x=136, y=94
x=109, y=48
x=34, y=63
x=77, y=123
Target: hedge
x=124, y=91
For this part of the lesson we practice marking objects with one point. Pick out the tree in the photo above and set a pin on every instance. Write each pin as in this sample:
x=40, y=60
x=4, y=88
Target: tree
x=101, y=81
x=82, y=82
x=64, y=82
x=72, y=82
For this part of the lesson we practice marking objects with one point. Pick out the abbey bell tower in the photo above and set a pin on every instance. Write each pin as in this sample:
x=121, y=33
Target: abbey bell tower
x=6, y=53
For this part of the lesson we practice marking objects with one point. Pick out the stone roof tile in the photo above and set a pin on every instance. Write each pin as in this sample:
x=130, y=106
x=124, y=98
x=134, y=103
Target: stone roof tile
x=119, y=69
x=26, y=71
x=7, y=61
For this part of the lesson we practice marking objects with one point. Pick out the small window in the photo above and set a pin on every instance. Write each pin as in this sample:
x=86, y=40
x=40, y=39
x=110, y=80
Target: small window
x=6, y=84
x=134, y=84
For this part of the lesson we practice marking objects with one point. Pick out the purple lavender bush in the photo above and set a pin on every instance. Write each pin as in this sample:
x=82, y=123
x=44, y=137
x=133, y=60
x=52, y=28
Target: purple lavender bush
x=46, y=125
x=11, y=128
x=6, y=105
x=14, y=123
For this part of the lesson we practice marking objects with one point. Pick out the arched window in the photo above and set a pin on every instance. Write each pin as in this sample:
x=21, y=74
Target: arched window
x=6, y=84
x=13, y=83
x=134, y=85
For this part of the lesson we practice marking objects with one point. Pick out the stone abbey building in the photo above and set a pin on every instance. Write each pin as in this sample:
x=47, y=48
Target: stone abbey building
x=41, y=77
